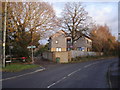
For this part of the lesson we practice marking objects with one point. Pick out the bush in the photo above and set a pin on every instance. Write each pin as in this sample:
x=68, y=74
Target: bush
x=88, y=58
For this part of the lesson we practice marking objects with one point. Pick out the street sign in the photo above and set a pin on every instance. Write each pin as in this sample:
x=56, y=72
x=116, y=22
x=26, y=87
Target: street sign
x=31, y=47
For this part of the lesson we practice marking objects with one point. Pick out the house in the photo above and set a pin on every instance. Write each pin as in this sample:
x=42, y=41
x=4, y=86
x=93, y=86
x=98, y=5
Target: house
x=61, y=49
x=60, y=41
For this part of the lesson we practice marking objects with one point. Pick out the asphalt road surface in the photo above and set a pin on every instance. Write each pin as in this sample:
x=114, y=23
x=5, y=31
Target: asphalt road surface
x=92, y=74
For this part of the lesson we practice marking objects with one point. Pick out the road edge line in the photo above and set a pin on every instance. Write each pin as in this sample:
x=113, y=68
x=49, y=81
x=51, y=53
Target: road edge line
x=39, y=70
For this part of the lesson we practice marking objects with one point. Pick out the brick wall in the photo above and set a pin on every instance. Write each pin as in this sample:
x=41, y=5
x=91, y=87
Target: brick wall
x=66, y=56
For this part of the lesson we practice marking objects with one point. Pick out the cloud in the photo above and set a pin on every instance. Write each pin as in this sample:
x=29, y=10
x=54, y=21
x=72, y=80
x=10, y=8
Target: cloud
x=58, y=7
x=43, y=41
x=104, y=13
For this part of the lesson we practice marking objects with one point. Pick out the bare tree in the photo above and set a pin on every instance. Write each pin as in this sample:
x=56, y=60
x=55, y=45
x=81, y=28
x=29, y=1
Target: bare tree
x=75, y=20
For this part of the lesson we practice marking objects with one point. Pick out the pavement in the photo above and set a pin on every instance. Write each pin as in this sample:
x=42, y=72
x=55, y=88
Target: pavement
x=90, y=74
x=114, y=75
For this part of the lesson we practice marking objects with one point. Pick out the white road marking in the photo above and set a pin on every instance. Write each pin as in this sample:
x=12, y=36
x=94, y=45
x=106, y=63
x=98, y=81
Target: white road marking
x=56, y=82
x=51, y=85
x=39, y=70
x=91, y=64
x=59, y=81
x=22, y=75
x=64, y=78
x=70, y=75
x=87, y=65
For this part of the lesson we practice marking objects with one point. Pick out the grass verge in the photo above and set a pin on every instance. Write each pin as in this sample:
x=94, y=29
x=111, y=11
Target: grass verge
x=18, y=67
x=89, y=58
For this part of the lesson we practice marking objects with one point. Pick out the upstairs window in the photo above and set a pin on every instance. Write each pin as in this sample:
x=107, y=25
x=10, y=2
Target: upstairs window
x=87, y=42
x=56, y=42
x=68, y=40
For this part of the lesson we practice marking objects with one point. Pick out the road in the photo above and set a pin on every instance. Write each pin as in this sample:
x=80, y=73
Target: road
x=92, y=74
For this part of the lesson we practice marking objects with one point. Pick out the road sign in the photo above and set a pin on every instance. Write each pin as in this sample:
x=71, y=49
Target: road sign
x=31, y=47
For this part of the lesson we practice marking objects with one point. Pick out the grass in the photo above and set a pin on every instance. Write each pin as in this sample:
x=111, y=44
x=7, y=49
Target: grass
x=18, y=67
x=89, y=58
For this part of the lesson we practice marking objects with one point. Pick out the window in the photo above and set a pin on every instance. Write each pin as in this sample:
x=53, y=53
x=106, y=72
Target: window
x=88, y=49
x=87, y=42
x=68, y=40
x=58, y=49
x=79, y=48
x=82, y=48
x=56, y=41
x=68, y=49
x=90, y=43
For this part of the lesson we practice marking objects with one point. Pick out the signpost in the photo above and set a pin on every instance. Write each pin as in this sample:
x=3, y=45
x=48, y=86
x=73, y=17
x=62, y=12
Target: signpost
x=31, y=47
x=32, y=52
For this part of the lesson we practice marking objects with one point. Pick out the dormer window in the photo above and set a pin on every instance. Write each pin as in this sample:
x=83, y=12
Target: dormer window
x=56, y=41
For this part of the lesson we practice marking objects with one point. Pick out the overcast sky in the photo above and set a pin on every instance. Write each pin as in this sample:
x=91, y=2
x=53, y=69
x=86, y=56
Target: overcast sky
x=101, y=12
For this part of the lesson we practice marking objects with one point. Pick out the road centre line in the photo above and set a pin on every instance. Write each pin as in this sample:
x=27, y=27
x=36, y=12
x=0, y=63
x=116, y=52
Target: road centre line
x=51, y=85
x=91, y=64
x=39, y=71
x=63, y=78
x=56, y=82
x=87, y=65
x=71, y=74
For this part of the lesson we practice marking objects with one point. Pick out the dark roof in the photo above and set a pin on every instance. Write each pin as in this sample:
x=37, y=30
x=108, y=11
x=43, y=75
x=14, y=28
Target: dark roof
x=86, y=36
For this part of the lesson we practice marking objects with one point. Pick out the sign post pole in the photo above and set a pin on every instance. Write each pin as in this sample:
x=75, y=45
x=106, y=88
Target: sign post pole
x=32, y=55
x=32, y=52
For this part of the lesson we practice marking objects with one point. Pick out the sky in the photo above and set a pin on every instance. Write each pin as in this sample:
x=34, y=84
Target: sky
x=101, y=12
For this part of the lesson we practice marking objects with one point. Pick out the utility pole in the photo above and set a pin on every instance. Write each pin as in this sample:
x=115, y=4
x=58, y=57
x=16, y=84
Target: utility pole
x=32, y=47
x=4, y=34
x=31, y=42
